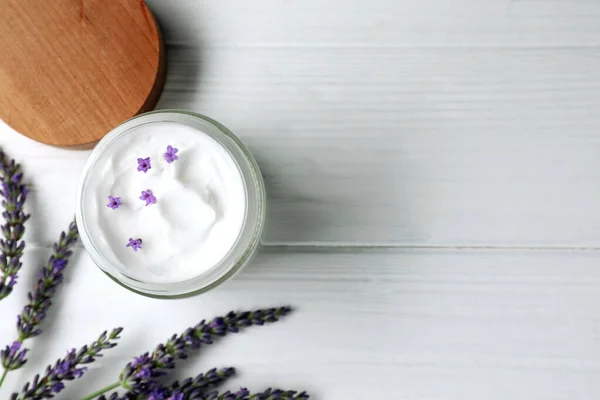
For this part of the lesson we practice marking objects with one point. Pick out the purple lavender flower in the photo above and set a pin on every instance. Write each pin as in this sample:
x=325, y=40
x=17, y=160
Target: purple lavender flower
x=135, y=244
x=196, y=389
x=171, y=154
x=141, y=360
x=191, y=388
x=159, y=393
x=66, y=369
x=114, y=202
x=13, y=357
x=269, y=394
x=58, y=386
x=144, y=164
x=40, y=298
x=148, y=197
x=14, y=194
x=145, y=373
x=218, y=322
x=199, y=384
x=138, y=375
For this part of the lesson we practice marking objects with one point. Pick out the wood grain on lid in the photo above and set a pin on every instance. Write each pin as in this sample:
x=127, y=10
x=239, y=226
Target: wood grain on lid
x=72, y=70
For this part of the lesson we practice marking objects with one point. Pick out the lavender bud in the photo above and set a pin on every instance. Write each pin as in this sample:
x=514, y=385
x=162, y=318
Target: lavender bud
x=13, y=357
x=6, y=230
x=17, y=178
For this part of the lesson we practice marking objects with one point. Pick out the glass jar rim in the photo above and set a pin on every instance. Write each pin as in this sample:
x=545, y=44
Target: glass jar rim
x=228, y=266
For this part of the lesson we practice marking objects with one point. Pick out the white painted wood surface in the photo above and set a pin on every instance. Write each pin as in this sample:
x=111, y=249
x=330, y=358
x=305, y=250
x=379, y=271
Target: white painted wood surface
x=395, y=324
x=427, y=126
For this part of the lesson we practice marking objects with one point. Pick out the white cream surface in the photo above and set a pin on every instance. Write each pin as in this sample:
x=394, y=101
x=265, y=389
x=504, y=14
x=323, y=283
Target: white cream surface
x=198, y=215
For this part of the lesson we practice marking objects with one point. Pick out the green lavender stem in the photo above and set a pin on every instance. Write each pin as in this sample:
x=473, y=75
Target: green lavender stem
x=3, y=377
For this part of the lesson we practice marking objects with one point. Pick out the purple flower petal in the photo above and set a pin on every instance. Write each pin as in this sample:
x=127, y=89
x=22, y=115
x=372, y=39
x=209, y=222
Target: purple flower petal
x=21, y=356
x=148, y=197
x=63, y=367
x=144, y=373
x=58, y=265
x=144, y=164
x=158, y=393
x=176, y=396
x=79, y=372
x=114, y=202
x=217, y=322
x=170, y=155
x=134, y=244
x=14, y=348
x=137, y=361
x=58, y=386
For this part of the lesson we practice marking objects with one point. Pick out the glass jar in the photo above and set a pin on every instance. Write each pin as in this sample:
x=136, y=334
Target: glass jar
x=253, y=221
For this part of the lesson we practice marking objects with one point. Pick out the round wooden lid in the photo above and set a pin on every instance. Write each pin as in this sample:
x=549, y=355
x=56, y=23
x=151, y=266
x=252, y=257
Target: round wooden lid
x=72, y=70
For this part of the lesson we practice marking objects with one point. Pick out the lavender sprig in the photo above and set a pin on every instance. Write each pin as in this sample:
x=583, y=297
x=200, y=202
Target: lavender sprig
x=269, y=394
x=148, y=367
x=40, y=299
x=139, y=376
x=14, y=194
x=190, y=389
x=67, y=368
x=13, y=357
x=195, y=389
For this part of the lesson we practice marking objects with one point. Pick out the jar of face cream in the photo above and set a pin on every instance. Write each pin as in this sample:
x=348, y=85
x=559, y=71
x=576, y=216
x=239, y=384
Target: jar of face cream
x=170, y=204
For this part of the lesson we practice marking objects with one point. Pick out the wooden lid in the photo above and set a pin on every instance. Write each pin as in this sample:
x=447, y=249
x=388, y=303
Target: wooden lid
x=72, y=70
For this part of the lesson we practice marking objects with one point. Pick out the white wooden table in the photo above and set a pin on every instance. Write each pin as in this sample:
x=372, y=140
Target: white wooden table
x=434, y=200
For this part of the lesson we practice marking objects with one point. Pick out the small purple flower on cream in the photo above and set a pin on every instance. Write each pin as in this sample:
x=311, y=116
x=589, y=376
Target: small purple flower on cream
x=144, y=164
x=135, y=244
x=114, y=202
x=148, y=197
x=171, y=154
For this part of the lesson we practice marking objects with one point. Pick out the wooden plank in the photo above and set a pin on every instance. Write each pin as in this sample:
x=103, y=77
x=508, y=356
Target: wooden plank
x=380, y=22
x=408, y=324
x=427, y=123
x=417, y=147
x=411, y=146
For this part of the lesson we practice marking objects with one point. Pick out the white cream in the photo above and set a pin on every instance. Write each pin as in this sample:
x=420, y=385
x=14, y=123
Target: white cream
x=198, y=215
